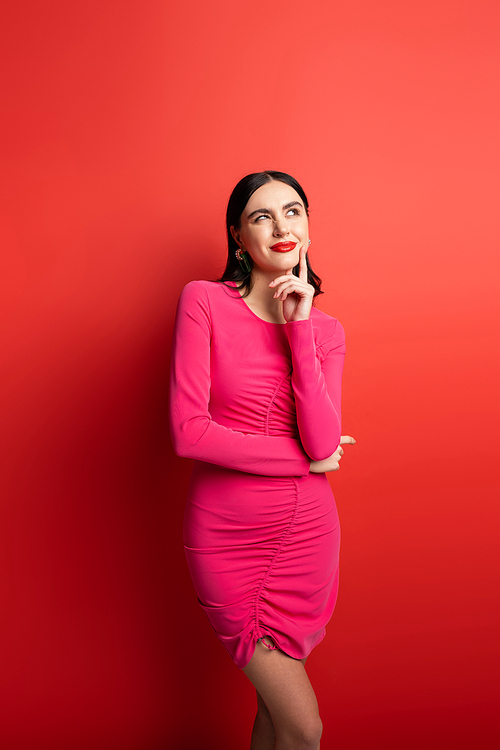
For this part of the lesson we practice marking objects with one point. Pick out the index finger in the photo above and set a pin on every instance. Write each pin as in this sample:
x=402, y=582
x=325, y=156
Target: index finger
x=346, y=439
x=303, y=265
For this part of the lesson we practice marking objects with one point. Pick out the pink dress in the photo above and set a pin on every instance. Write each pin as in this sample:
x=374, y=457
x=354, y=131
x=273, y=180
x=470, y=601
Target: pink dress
x=253, y=402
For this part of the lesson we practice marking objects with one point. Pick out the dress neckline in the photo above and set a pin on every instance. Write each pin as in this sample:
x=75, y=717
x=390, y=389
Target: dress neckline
x=269, y=322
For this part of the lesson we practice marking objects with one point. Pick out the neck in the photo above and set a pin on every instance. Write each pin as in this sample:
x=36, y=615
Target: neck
x=261, y=298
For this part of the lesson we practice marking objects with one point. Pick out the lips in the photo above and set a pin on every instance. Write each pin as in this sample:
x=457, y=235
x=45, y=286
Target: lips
x=283, y=247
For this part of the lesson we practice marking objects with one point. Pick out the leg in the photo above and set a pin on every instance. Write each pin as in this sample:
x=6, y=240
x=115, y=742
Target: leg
x=285, y=689
x=263, y=735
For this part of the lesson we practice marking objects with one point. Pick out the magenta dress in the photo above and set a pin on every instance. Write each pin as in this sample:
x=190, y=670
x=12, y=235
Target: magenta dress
x=253, y=402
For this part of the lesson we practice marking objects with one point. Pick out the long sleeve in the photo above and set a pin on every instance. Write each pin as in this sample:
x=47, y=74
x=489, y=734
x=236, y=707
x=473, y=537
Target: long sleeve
x=194, y=433
x=316, y=381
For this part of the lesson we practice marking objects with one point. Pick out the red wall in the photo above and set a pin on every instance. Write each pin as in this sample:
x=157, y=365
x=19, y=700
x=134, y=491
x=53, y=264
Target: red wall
x=125, y=125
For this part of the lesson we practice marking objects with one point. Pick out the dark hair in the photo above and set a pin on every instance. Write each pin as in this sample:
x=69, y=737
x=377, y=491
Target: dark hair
x=235, y=207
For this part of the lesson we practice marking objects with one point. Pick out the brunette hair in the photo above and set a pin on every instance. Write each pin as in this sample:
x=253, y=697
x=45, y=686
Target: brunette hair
x=235, y=207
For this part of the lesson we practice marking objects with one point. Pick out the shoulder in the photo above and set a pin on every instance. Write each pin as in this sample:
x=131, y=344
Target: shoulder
x=196, y=288
x=194, y=302
x=204, y=289
x=206, y=297
x=198, y=291
x=212, y=294
x=328, y=331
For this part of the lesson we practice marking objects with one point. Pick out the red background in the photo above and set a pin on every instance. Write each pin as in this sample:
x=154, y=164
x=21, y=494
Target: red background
x=125, y=126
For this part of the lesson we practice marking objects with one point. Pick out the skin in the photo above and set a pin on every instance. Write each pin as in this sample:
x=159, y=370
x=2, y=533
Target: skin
x=287, y=710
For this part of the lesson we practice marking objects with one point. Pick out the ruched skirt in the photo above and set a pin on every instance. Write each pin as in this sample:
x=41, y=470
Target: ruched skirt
x=263, y=553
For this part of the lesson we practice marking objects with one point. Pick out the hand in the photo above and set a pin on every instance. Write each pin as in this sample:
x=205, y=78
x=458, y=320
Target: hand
x=332, y=463
x=294, y=291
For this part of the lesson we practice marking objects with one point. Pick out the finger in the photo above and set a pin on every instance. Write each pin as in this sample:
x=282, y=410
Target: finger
x=346, y=439
x=293, y=284
x=291, y=287
x=281, y=279
x=284, y=293
x=303, y=265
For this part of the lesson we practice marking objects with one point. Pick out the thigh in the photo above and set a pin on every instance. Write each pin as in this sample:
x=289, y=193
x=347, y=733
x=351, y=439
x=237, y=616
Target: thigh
x=285, y=689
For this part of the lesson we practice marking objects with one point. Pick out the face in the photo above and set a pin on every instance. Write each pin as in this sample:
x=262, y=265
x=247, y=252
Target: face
x=274, y=227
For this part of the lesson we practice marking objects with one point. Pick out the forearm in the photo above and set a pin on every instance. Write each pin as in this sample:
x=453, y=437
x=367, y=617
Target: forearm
x=203, y=439
x=316, y=392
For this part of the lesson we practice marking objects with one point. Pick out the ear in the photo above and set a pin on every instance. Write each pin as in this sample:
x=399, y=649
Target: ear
x=235, y=235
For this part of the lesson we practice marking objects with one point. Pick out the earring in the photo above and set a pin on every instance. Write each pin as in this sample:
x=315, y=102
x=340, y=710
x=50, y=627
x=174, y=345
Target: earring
x=243, y=260
x=309, y=242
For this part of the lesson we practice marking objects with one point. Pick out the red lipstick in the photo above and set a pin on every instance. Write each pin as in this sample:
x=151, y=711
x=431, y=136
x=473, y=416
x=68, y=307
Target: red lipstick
x=283, y=247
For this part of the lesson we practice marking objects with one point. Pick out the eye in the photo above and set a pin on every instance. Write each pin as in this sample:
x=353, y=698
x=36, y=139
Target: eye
x=262, y=216
x=293, y=211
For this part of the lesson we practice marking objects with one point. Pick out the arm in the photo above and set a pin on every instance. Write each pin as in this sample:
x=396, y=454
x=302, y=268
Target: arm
x=194, y=433
x=316, y=381
x=316, y=375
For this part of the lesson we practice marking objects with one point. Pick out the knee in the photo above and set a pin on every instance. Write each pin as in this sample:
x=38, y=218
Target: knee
x=306, y=736
x=312, y=734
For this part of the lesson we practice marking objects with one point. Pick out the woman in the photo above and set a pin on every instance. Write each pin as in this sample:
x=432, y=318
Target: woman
x=255, y=399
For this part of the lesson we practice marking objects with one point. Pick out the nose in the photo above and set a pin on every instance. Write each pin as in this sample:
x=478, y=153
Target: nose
x=280, y=228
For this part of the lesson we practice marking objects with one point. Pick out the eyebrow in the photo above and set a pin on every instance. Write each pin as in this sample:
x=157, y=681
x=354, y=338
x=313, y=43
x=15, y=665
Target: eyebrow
x=268, y=210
